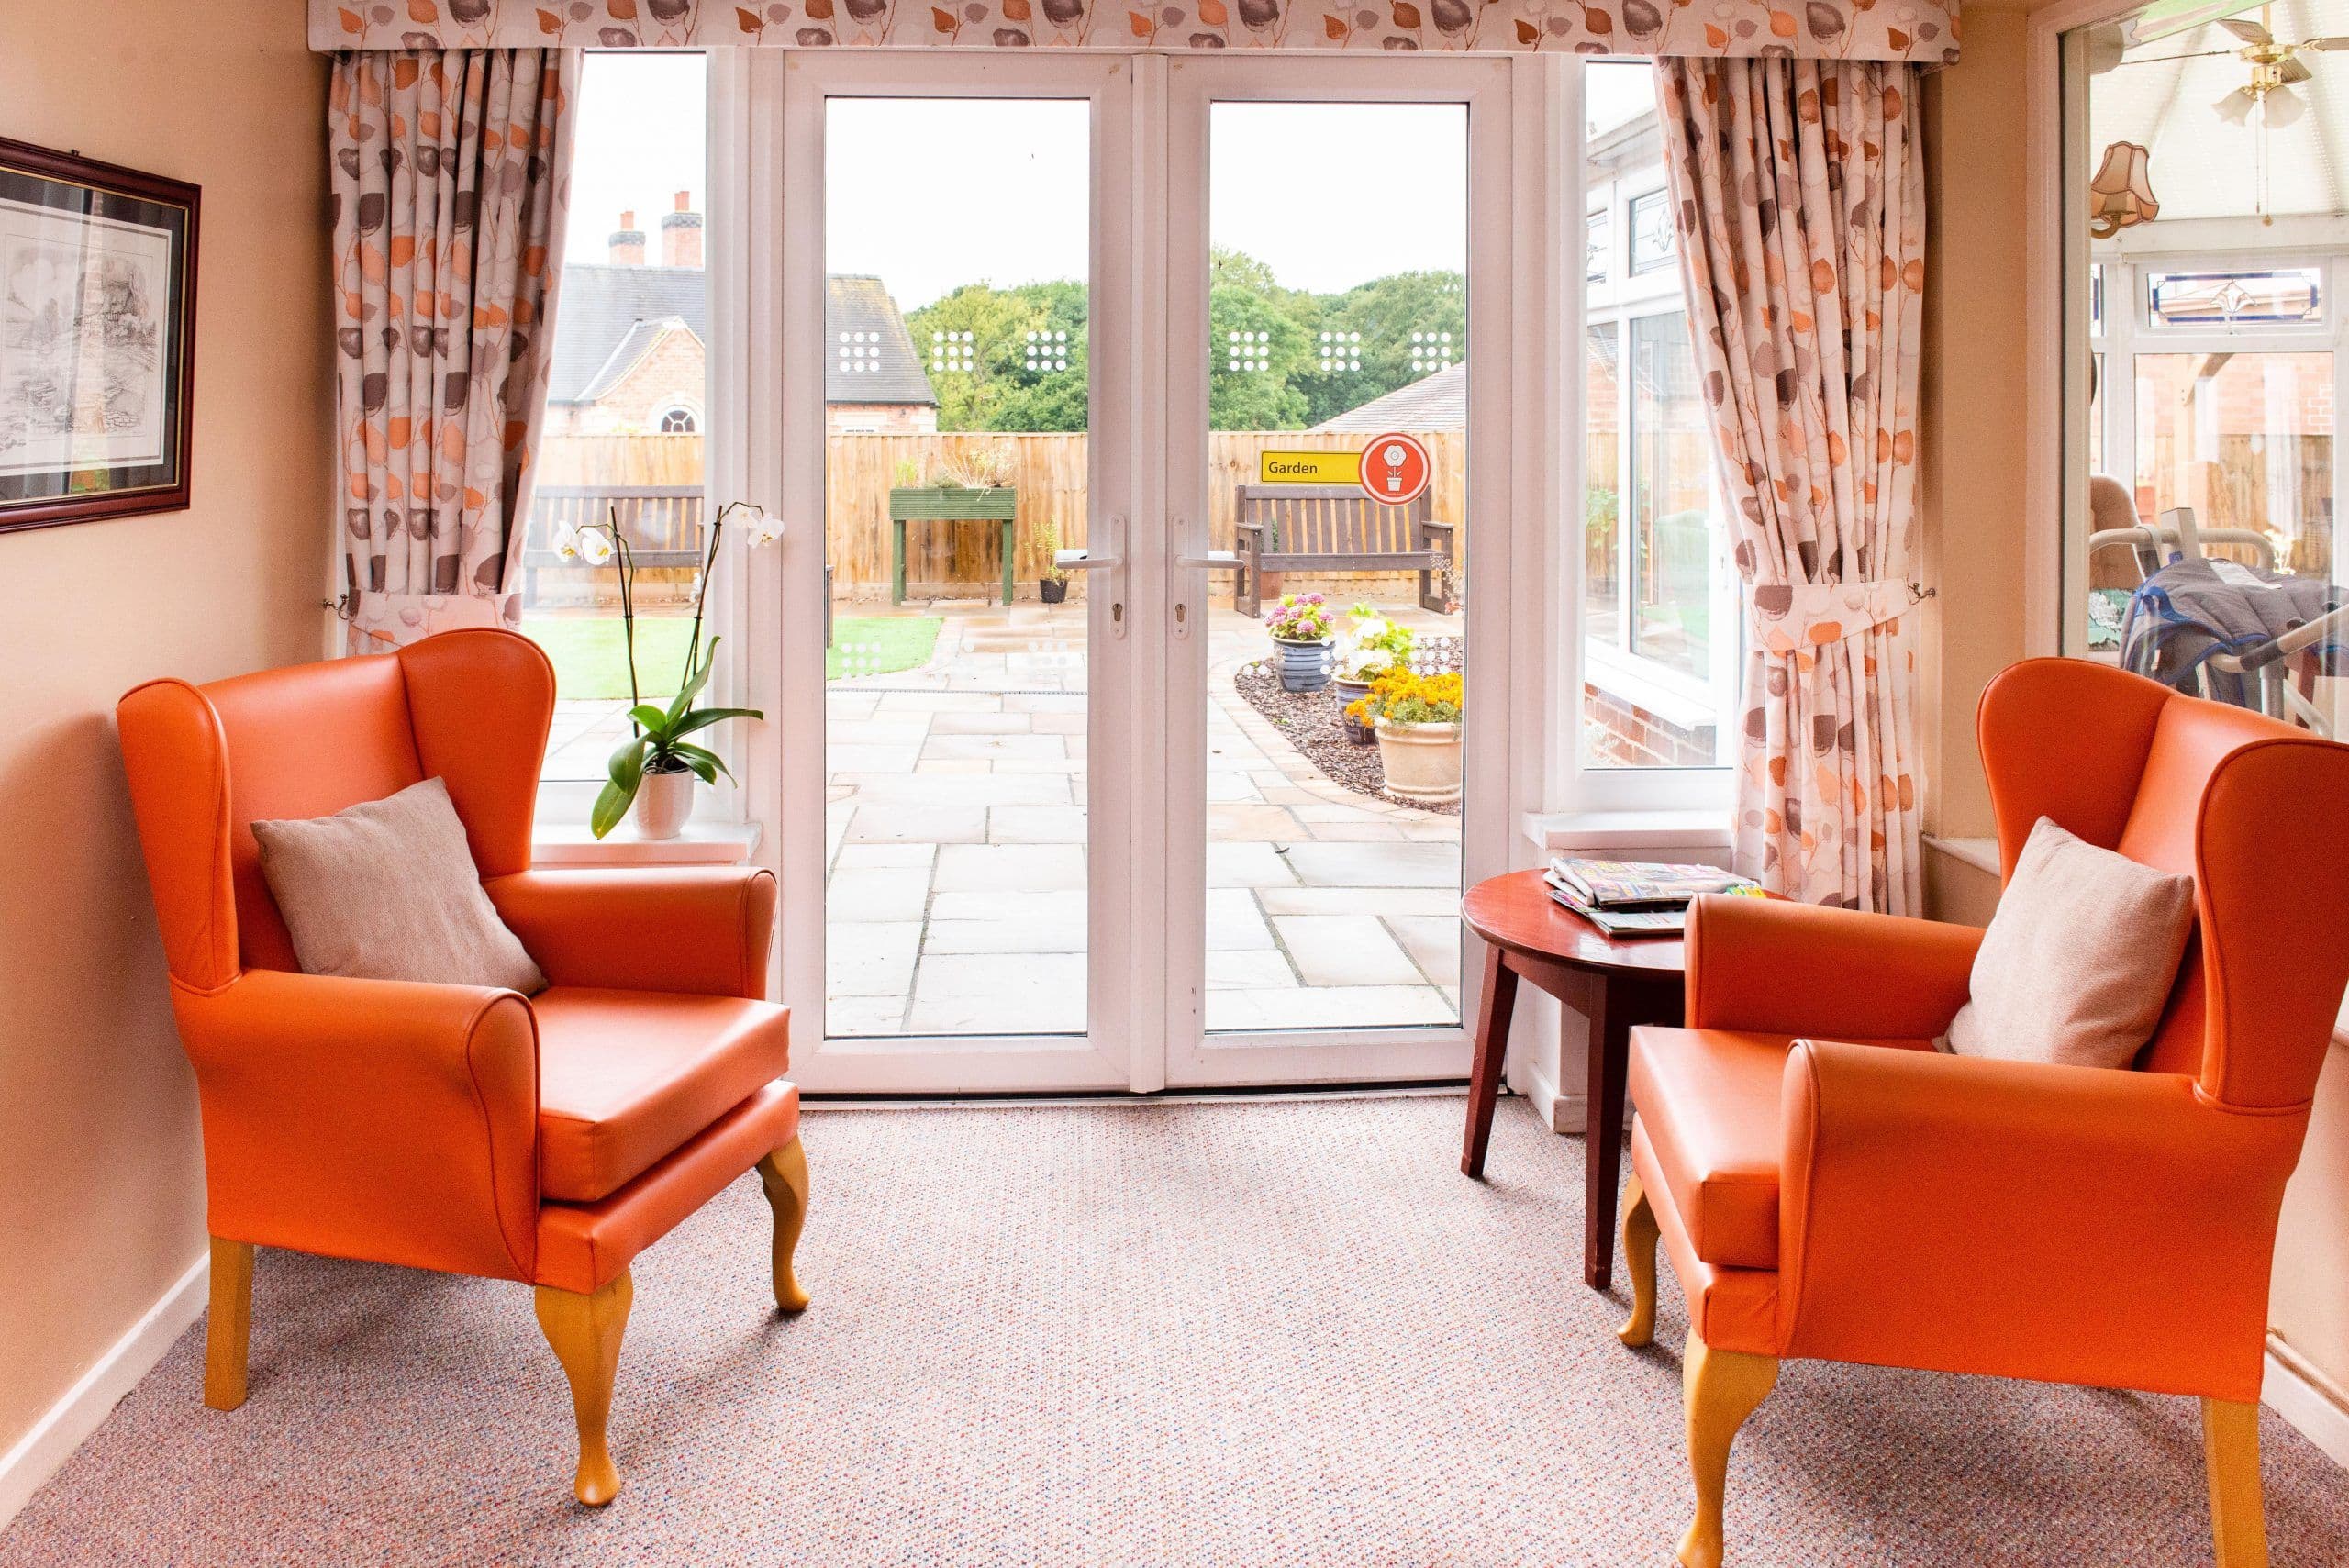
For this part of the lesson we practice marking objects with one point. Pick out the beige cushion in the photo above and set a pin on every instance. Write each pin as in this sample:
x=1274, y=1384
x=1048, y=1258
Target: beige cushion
x=387, y=890
x=2079, y=959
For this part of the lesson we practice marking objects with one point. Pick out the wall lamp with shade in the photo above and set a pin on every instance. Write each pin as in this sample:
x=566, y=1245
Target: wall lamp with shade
x=2123, y=192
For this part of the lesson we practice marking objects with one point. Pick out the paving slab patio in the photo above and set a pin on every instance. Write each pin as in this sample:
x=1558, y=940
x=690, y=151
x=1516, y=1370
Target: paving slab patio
x=1325, y=909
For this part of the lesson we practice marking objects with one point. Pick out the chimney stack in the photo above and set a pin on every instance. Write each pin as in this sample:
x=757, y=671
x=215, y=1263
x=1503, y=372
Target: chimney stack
x=627, y=243
x=681, y=234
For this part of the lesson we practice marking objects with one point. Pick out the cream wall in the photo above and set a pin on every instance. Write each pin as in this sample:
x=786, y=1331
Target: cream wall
x=1975, y=523
x=101, y=1184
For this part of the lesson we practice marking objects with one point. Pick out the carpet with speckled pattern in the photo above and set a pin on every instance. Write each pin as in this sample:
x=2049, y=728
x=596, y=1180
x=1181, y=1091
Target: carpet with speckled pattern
x=1157, y=1335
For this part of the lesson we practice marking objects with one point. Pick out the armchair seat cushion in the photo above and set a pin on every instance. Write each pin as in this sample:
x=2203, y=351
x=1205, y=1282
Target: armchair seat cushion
x=628, y=1077
x=1709, y=1101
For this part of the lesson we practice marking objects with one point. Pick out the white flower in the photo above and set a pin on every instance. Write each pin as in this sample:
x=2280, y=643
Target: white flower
x=761, y=531
x=566, y=542
x=596, y=547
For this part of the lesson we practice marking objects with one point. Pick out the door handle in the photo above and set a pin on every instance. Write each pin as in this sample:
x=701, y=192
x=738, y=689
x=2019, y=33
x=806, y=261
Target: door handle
x=1213, y=561
x=1086, y=560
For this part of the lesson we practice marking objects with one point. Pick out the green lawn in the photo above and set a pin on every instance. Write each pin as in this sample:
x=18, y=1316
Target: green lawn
x=591, y=658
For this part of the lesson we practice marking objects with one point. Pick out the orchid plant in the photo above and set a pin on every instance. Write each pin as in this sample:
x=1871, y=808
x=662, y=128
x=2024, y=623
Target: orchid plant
x=656, y=742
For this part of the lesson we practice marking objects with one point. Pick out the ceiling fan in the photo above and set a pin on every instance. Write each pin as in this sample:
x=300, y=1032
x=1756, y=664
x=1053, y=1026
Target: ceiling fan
x=2276, y=69
x=2266, y=102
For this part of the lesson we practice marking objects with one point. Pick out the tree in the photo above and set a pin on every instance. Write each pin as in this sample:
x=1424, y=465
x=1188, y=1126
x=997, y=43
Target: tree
x=1027, y=358
x=1277, y=359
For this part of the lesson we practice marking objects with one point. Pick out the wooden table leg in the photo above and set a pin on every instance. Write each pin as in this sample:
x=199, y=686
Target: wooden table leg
x=1610, y=1055
x=897, y=560
x=1492, y=1050
x=1010, y=527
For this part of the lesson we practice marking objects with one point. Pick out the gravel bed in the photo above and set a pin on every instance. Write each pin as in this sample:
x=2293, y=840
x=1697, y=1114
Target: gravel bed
x=1315, y=724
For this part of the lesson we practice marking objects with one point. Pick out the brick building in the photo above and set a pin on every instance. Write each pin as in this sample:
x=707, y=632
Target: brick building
x=630, y=351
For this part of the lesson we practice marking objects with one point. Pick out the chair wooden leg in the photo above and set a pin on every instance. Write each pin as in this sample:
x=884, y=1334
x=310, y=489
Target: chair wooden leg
x=1638, y=1261
x=584, y=1331
x=228, y=1329
x=1718, y=1389
x=2231, y=1453
x=783, y=1173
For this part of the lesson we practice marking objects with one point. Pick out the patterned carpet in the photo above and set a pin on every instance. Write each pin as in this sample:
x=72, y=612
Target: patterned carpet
x=1227, y=1334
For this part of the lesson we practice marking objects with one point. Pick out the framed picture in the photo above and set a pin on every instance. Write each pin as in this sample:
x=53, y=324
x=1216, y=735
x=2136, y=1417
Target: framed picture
x=98, y=339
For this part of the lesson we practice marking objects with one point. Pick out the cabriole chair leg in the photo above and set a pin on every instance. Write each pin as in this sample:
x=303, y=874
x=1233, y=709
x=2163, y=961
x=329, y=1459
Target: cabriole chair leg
x=1639, y=1263
x=2231, y=1453
x=783, y=1173
x=228, y=1329
x=1719, y=1390
x=584, y=1331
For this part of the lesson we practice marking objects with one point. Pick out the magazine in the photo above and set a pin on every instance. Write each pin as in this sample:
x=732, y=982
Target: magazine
x=1633, y=885
x=1667, y=922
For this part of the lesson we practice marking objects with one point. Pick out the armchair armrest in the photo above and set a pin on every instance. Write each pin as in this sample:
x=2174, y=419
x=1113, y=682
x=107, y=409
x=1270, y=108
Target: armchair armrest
x=1779, y=967
x=1434, y=526
x=1248, y=538
x=2023, y=1220
x=699, y=928
x=380, y=1120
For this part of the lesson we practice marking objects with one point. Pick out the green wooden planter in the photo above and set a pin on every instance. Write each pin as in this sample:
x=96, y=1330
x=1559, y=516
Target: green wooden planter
x=929, y=503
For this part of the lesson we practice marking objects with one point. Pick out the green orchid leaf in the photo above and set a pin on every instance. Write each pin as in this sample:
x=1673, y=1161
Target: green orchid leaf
x=703, y=717
x=695, y=756
x=694, y=680
x=650, y=718
x=611, y=804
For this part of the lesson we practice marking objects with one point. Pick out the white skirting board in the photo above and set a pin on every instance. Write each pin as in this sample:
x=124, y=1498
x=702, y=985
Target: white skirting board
x=39, y=1453
x=2308, y=1399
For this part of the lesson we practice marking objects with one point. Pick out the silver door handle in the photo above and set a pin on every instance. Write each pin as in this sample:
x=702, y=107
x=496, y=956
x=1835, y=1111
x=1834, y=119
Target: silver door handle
x=1213, y=561
x=1114, y=590
x=1082, y=561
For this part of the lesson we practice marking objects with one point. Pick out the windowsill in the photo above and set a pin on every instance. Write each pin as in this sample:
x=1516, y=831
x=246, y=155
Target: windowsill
x=561, y=837
x=1982, y=855
x=1698, y=829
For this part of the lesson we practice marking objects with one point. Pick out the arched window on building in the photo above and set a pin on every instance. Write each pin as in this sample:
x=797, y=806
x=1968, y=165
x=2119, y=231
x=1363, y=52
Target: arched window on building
x=676, y=420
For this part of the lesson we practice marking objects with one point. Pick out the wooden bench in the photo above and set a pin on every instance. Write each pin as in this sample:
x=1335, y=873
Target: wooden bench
x=1336, y=528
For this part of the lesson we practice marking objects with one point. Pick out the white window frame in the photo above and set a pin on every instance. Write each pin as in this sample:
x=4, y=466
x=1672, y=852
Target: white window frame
x=1610, y=181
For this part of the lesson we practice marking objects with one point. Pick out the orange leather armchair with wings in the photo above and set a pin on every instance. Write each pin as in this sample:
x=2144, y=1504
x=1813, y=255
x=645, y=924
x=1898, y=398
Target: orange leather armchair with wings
x=1826, y=1184
x=547, y=1139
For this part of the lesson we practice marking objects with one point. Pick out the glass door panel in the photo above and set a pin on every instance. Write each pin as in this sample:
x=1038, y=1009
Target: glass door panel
x=1333, y=329
x=1324, y=468
x=957, y=317
x=952, y=295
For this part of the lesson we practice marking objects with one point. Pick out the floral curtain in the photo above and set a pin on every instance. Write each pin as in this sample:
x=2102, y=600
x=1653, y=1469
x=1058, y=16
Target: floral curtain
x=449, y=178
x=1800, y=193
x=1924, y=31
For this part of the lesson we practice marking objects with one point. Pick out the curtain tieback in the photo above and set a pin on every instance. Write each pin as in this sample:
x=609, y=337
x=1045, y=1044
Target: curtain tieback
x=1789, y=617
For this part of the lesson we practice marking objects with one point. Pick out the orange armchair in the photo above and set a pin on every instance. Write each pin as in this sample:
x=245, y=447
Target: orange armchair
x=1825, y=1184
x=456, y=1128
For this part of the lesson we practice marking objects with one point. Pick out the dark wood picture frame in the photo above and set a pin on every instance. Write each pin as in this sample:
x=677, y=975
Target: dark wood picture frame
x=40, y=186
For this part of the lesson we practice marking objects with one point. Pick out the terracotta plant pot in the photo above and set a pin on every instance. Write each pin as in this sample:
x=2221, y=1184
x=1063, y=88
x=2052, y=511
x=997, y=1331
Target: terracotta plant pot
x=1421, y=760
x=1304, y=666
x=664, y=802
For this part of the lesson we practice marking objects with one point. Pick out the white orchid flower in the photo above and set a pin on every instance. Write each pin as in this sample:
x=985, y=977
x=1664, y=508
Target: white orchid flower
x=566, y=542
x=596, y=547
x=763, y=530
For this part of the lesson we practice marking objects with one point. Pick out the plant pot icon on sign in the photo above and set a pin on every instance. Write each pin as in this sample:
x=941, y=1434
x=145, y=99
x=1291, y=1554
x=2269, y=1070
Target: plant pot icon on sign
x=1394, y=469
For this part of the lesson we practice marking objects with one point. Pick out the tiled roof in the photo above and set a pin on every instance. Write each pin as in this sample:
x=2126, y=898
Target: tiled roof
x=1438, y=402
x=607, y=316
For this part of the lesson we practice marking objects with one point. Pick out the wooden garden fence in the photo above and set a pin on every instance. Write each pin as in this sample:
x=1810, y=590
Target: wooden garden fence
x=963, y=560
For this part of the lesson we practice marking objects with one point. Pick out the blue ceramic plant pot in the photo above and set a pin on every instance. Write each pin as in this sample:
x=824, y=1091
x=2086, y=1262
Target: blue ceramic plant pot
x=1305, y=666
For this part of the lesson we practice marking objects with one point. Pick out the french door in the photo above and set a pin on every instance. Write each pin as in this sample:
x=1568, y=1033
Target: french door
x=1060, y=343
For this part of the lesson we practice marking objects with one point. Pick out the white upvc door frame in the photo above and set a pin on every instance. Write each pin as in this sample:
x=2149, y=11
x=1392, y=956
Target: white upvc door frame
x=1116, y=1051
x=1194, y=1058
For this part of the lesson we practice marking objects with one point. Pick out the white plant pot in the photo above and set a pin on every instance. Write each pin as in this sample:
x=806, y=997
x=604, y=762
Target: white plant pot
x=1421, y=762
x=664, y=803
